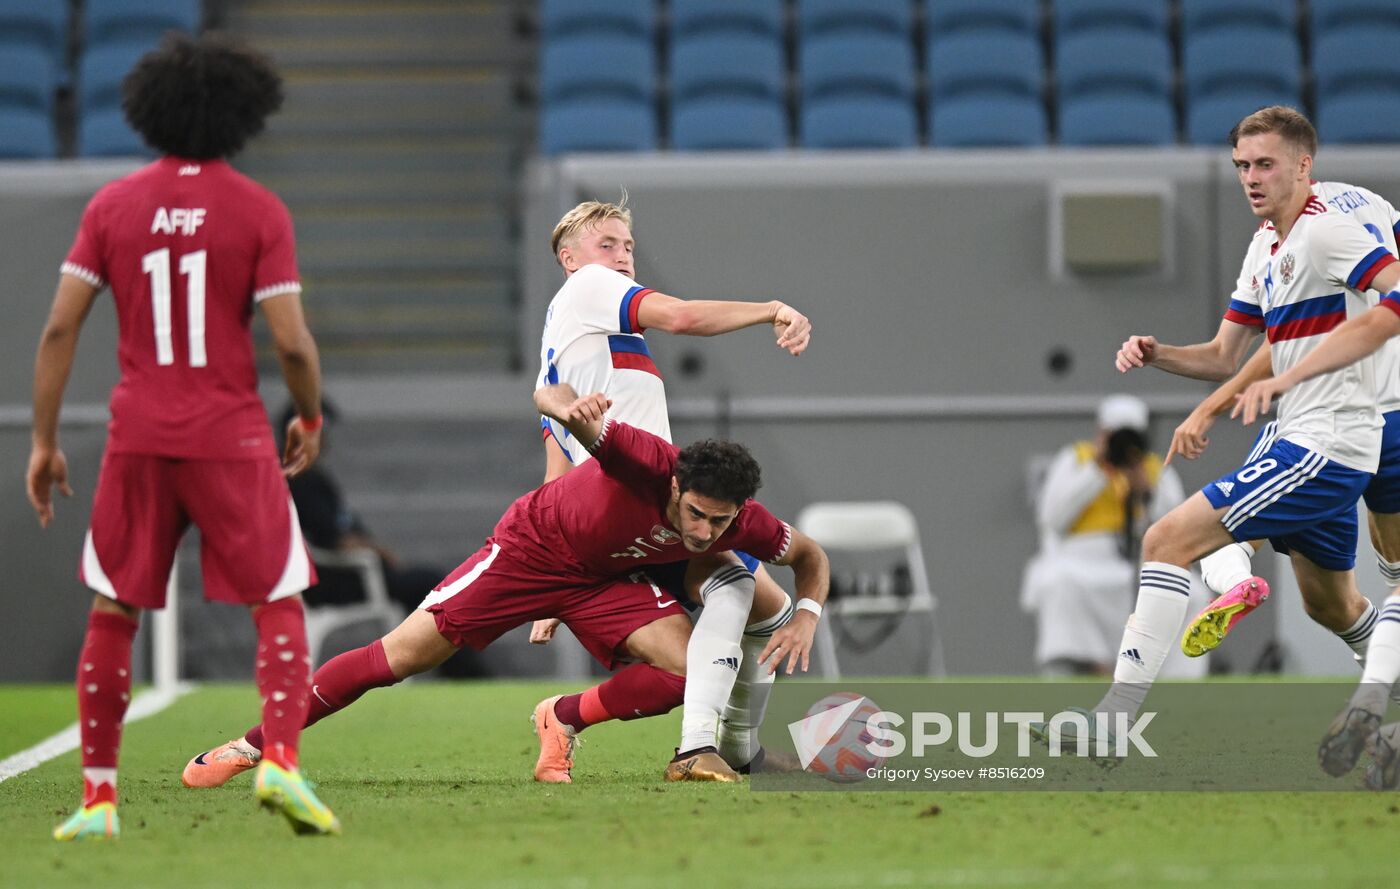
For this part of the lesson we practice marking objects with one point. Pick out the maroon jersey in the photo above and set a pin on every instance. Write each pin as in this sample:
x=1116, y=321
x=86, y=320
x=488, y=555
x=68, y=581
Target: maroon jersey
x=188, y=247
x=608, y=516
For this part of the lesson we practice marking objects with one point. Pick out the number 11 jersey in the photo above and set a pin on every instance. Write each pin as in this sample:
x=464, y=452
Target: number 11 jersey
x=188, y=247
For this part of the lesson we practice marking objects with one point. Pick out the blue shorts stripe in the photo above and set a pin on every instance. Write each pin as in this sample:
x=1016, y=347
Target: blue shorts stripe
x=1261, y=498
x=1263, y=442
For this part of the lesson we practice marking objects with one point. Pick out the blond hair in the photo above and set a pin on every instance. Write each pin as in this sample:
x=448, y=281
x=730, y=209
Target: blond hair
x=586, y=217
x=1290, y=123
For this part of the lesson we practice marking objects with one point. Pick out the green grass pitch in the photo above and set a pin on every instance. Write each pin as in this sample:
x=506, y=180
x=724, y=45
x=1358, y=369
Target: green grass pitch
x=432, y=782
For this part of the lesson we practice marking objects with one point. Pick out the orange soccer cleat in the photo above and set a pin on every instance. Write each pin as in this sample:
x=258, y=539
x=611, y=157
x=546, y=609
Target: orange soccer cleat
x=557, y=742
x=214, y=768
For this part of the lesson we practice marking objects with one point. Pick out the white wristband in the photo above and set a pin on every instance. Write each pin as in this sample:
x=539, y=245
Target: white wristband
x=811, y=605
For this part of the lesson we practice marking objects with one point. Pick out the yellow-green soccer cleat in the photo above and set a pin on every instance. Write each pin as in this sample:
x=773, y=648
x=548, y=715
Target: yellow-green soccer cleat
x=99, y=822
x=281, y=790
x=1207, y=630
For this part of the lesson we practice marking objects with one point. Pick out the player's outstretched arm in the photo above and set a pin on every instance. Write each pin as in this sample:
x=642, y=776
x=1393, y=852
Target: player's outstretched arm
x=812, y=573
x=1214, y=360
x=301, y=368
x=52, y=365
x=1189, y=440
x=1349, y=343
x=710, y=317
x=582, y=416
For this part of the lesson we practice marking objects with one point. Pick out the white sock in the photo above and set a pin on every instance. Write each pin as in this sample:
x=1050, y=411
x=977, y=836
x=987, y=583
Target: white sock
x=1358, y=635
x=1153, y=627
x=1389, y=570
x=743, y=713
x=713, y=657
x=1383, y=654
x=1227, y=567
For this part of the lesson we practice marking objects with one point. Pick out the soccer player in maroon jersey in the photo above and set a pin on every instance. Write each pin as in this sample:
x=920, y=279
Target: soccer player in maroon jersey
x=572, y=549
x=189, y=247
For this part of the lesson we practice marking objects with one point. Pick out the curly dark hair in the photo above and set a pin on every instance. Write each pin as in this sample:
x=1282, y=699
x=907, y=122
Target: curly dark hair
x=724, y=470
x=200, y=98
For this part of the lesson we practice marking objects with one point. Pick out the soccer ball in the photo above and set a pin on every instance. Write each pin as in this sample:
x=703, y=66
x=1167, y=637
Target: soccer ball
x=844, y=756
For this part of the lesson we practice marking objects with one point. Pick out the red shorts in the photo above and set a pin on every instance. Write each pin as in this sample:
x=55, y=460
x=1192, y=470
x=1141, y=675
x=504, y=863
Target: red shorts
x=250, y=543
x=493, y=592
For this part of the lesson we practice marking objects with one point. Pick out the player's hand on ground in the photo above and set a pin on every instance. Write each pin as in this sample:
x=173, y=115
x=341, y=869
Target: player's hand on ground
x=542, y=631
x=1254, y=402
x=1189, y=440
x=47, y=468
x=793, y=329
x=791, y=643
x=1136, y=351
x=303, y=447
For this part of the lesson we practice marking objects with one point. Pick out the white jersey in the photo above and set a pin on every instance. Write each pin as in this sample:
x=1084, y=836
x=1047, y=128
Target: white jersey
x=1298, y=291
x=1379, y=218
x=593, y=342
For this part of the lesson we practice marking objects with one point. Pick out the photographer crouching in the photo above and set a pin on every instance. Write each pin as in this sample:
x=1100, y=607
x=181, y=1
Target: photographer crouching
x=1098, y=498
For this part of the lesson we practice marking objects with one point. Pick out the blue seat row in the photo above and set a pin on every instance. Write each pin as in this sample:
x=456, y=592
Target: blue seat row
x=34, y=67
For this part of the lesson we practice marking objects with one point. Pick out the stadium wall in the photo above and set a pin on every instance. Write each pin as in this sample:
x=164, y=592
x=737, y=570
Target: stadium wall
x=929, y=280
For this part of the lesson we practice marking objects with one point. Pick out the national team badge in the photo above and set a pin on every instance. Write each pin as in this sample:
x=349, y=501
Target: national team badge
x=664, y=535
x=1285, y=268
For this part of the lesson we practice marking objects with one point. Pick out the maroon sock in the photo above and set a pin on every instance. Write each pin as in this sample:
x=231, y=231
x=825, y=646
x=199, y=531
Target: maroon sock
x=104, y=690
x=631, y=693
x=339, y=683
x=284, y=677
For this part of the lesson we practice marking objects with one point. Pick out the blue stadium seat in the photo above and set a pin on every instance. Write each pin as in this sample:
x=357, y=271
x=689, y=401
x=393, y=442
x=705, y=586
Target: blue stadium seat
x=945, y=17
x=597, y=64
x=27, y=77
x=1077, y=15
x=598, y=124
x=101, y=69
x=1329, y=15
x=1209, y=120
x=988, y=122
x=1356, y=58
x=1204, y=15
x=760, y=16
x=1360, y=118
x=1118, y=58
x=105, y=133
x=106, y=21
x=734, y=62
x=732, y=123
x=26, y=133
x=820, y=16
x=1241, y=58
x=569, y=18
x=864, y=122
x=863, y=62
x=982, y=61
x=1117, y=120
x=41, y=23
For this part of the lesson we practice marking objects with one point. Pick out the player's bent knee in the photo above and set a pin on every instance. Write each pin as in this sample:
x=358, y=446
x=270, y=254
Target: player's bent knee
x=661, y=643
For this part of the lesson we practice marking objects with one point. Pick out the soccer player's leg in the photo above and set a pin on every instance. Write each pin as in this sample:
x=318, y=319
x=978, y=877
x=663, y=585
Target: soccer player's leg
x=747, y=704
x=714, y=656
x=130, y=547
x=621, y=621
x=1164, y=587
x=468, y=608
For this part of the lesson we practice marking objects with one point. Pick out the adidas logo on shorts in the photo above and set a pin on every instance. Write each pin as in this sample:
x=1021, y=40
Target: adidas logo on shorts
x=1225, y=487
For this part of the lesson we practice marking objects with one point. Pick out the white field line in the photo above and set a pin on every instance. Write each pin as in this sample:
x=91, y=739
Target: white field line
x=147, y=703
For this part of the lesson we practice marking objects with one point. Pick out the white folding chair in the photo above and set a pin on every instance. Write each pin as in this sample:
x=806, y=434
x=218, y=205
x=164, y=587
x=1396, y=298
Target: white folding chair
x=862, y=526
x=377, y=608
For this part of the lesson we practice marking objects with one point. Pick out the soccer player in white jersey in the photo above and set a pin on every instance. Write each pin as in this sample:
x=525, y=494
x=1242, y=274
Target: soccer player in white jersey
x=1227, y=571
x=1304, y=275
x=593, y=342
